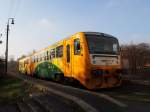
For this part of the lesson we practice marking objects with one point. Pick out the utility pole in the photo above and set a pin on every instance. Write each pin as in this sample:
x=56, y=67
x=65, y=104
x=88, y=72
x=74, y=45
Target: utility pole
x=7, y=34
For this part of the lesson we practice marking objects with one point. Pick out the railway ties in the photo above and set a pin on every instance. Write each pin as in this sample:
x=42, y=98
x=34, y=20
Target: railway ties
x=31, y=105
x=114, y=100
x=87, y=100
x=46, y=103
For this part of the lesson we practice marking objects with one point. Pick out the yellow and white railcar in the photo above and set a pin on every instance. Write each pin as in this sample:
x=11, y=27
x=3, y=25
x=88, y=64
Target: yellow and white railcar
x=92, y=58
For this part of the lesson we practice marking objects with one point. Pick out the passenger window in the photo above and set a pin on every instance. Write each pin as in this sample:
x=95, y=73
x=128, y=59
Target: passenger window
x=32, y=59
x=47, y=55
x=42, y=56
x=68, y=53
x=59, y=51
x=77, y=47
x=24, y=63
x=36, y=58
x=52, y=53
x=39, y=59
x=27, y=61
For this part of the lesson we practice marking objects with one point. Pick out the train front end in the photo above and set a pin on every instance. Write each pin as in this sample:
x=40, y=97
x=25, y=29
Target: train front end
x=104, y=68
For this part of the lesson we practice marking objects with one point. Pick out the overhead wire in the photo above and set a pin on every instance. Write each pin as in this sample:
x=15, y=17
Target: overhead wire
x=13, y=8
x=18, y=3
x=10, y=7
x=10, y=10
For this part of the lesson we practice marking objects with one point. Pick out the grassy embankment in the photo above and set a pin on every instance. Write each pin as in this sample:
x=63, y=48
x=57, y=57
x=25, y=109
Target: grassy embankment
x=13, y=89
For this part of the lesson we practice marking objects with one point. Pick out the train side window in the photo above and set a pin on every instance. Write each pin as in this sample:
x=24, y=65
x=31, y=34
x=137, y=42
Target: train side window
x=68, y=53
x=27, y=61
x=77, y=47
x=59, y=51
x=39, y=58
x=42, y=57
x=24, y=63
x=52, y=54
x=36, y=58
x=32, y=59
x=47, y=55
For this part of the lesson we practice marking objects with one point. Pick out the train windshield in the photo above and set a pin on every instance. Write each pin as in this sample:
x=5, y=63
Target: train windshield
x=101, y=44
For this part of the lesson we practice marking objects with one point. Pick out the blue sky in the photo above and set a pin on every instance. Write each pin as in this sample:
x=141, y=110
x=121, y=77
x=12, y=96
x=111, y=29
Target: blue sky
x=39, y=23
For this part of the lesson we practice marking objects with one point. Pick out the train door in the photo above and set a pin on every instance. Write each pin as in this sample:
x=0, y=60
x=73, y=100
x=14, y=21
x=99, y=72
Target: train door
x=68, y=59
x=78, y=65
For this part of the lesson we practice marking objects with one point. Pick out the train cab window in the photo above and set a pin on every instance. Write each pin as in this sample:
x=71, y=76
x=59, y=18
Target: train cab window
x=77, y=47
x=59, y=51
x=68, y=53
x=52, y=54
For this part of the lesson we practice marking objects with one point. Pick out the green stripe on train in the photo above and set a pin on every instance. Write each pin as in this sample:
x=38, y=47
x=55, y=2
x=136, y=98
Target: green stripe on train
x=47, y=70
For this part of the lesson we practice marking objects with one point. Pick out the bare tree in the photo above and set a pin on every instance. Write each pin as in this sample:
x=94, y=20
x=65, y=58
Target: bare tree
x=137, y=55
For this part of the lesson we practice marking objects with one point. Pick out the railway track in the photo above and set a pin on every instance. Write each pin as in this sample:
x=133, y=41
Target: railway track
x=97, y=101
x=45, y=103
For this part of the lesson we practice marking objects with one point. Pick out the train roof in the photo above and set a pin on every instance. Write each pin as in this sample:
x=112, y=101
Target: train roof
x=56, y=43
x=23, y=58
x=100, y=33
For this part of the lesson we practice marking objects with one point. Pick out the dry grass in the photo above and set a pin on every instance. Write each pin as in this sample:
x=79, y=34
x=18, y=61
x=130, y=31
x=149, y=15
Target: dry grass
x=13, y=89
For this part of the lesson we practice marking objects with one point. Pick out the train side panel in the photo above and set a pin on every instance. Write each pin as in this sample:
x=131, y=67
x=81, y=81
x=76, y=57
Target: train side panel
x=80, y=58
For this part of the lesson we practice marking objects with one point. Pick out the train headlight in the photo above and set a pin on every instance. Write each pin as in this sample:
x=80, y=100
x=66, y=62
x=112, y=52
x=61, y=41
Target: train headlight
x=97, y=72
